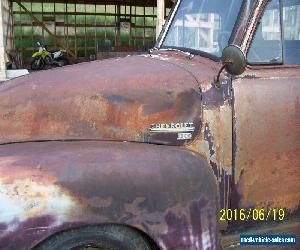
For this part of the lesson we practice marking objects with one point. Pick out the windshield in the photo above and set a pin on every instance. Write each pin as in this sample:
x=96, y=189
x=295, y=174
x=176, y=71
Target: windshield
x=202, y=25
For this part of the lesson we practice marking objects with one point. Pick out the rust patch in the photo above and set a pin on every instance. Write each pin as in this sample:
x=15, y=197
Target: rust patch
x=119, y=101
x=214, y=142
x=67, y=182
x=267, y=140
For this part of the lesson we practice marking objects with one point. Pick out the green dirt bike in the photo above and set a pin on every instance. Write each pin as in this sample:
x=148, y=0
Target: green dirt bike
x=44, y=57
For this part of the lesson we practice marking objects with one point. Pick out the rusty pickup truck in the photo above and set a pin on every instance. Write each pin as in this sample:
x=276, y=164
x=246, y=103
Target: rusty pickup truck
x=159, y=151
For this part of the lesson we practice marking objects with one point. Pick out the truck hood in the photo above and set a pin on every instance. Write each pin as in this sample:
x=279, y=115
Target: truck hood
x=142, y=98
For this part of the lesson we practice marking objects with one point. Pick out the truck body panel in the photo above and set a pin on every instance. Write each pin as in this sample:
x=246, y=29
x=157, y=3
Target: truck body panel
x=45, y=187
x=103, y=100
x=266, y=113
x=75, y=142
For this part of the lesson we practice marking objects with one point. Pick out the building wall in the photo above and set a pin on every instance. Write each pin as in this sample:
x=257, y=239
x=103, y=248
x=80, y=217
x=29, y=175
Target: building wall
x=85, y=29
x=6, y=34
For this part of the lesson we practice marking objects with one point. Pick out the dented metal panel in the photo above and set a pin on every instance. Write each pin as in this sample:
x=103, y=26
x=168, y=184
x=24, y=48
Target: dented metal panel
x=167, y=192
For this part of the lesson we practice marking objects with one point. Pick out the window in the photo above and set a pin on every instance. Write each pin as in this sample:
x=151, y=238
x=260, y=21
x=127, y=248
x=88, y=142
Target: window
x=274, y=43
x=291, y=31
x=266, y=47
x=202, y=26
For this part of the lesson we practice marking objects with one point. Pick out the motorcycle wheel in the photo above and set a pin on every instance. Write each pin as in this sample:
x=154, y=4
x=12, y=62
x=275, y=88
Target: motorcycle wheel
x=62, y=61
x=37, y=63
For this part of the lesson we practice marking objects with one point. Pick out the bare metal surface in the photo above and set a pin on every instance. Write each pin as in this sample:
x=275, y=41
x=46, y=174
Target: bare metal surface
x=167, y=192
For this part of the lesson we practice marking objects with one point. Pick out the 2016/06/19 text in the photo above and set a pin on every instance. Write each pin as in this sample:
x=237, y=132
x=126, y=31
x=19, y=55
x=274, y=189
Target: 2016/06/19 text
x=254, y=214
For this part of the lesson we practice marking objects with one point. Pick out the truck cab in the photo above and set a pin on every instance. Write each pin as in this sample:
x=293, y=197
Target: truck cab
x=163, y=150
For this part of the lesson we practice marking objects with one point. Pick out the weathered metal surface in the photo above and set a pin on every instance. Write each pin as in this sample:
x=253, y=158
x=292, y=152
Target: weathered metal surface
x=267, y=129
x=161, y=190
x=102, y=100
x=214, y=140
x=120, y=101
x=167, y=192
x=165, y=87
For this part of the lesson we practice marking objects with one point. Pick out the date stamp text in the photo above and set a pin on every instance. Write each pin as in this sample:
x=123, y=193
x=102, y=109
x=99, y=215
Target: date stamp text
x=252, y=214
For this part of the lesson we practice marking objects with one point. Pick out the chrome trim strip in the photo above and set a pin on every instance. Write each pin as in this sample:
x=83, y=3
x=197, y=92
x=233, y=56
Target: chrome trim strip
x=171, y=130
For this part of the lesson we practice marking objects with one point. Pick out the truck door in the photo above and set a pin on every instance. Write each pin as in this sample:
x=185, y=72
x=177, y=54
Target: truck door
x=267, y=113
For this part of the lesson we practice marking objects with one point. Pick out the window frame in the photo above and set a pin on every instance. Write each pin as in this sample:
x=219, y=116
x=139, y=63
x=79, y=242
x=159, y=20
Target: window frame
x=282, y=29
x=162, y=36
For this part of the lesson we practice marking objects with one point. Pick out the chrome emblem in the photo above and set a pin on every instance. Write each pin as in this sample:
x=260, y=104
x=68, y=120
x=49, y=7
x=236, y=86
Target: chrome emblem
x=184, y=129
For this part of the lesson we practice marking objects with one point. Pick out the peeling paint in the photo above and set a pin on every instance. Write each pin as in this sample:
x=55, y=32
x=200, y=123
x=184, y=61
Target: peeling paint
x=26, y=198
x=68, y=183
x=244, y=151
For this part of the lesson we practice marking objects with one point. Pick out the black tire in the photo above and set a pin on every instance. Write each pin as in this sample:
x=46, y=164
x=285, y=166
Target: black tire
x=63, y=61
x=37, y=63
x=103, y=237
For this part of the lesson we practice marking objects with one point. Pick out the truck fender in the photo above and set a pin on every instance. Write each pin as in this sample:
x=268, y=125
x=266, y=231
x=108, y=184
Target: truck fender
x=167, y=192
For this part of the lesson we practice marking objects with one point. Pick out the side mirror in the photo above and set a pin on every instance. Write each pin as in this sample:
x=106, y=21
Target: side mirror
x=233, y=60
